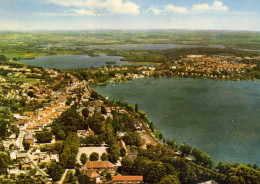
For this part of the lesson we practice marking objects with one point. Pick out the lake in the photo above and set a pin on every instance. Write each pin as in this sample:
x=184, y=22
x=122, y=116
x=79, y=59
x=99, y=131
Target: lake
x=221, y=118
x=72, y=61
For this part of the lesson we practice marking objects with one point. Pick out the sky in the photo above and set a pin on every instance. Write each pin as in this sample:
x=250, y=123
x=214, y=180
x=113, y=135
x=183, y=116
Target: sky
x=130, y=14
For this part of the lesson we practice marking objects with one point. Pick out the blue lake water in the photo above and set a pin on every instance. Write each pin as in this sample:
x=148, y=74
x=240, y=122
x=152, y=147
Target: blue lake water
x=221, y=118
x=72, y=61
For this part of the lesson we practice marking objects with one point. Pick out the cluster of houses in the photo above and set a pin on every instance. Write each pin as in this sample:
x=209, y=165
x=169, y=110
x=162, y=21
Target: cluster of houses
x=143, y=71
x=217, y=63
x=30, y=123
x=92, y=168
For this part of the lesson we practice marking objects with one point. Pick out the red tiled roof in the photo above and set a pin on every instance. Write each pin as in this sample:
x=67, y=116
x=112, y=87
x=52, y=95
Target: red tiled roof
x=92, y=174
x=98, y=164
x=127, y=178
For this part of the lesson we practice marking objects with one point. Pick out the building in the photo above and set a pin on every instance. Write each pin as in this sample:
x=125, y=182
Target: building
x=209, y=182
x=132, y=155
x=29, y=138
x=97, y=166
x=25, y=166
x=21, y=157
x=12, y=138
x=121, y=144
x=54, y=157
x=85, y=133
x=93, y=175
x=127, y=179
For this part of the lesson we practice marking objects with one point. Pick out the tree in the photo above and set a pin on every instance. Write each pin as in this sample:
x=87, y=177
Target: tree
x=256, y=167
x=103, y=110
x=113, y=153
x=236, y=180
x=3, y=129
x=67, y=158
x=60, y=135
x=116, y=123
x=93, y=140
x=85, y=113
x=55, y=171
x=126, y=166
x=202, y=158
x=26, y=145
x=132, y=138
x=70, y=151
x=153, y=171
x=185, y=149
x=136, y=107
x=3, y=58
x=44, y=137
x=243, y=174
x=108, y=177
x=130, y=107
x=143, y=115
x=104, y=157
x=170, y=179
x=15, y=130
x=94, y=94
x=83, y=179
x=83, y=158
x=224, y=168
x=122, y=152
x=172, y=144
x=94, y=156
x=5, y=161
x=68, y=121
x=30, y=94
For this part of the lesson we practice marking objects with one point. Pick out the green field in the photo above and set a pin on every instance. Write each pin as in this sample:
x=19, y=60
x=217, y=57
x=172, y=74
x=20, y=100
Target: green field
x=33, y=44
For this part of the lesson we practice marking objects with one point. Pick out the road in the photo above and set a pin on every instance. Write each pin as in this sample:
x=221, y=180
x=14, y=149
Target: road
x=44, y=174
x=63, y=177
x=147, y=136
x=19, y=140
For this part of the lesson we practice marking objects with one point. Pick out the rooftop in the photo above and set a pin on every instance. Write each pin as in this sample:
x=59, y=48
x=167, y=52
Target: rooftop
x=98, y=164
x=127, y=178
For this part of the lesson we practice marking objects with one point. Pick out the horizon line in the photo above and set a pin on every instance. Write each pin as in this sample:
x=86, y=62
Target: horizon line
x=77, y=30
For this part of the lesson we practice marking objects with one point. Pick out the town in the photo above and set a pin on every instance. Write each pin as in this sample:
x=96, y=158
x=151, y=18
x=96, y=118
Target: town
x=56, y=129
x=193, y=66
x=27, y=136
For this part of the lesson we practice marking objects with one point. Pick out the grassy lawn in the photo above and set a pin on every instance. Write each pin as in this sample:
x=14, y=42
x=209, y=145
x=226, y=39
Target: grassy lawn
x=52, y=146
x=11, y=53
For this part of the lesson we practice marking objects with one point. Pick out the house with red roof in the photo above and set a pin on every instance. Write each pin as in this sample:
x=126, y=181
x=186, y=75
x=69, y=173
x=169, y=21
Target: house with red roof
x=97, y=166
x=127, y=179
